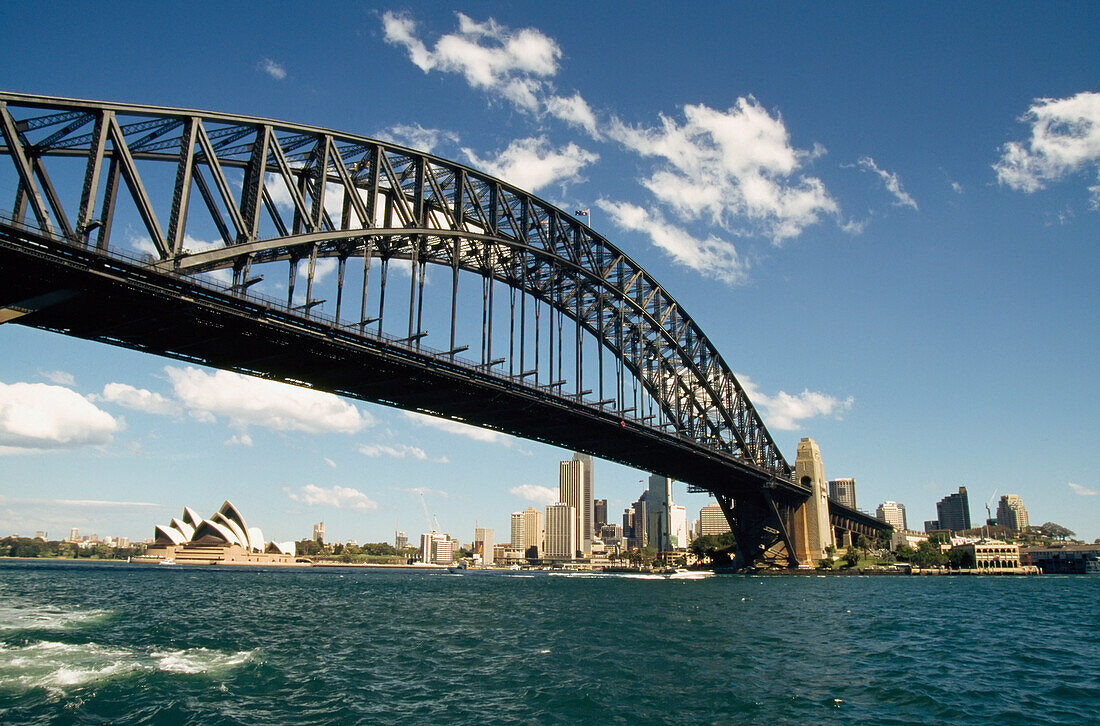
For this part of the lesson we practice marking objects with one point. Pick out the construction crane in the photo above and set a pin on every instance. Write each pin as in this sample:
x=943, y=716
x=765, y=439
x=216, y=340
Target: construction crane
x=988, y=513
x=428, y=519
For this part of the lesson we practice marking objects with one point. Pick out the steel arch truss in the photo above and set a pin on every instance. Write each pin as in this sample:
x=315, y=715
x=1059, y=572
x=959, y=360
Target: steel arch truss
x=354, y=198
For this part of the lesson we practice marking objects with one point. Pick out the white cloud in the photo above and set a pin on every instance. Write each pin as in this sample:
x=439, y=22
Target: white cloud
x=574, y=110
x=532, y=164
x=250, y=401
x=736, y=168
x=892, y=182
x=1065, y=138
x=535, y=493
x=1083, y=491
x=138, y=399
x=242, y=439
x=455, y=427
x=330, y=462
x=712, y=257
x=956, y=187
x=488, y=55
x=35, y=416
x=399, y=451
x=337, y=497
x=61, y=378
x=853, y=226
x=785, y=412
x=273, y=69
x=417, y=137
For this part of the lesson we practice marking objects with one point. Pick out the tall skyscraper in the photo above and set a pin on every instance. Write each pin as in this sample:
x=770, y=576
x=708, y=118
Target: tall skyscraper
x=319, y=532
x=712, y=520
x=527, y=531
x=843, y=491
x=893, y=514
x=575, y=489
x=599, y=514
x=640, y=522
x=954, y=511
x=400, y=541
x=660, y=502
x=483, y=544
x=677, y=527
x=561, y=531
x=1012, y=513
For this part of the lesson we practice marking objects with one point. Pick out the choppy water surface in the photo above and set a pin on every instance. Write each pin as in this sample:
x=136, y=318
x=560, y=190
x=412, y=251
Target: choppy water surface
x=99, y=643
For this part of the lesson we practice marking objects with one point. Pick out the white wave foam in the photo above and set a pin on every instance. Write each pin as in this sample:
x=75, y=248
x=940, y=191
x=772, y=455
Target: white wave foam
x=60, y=667
x=15, y=615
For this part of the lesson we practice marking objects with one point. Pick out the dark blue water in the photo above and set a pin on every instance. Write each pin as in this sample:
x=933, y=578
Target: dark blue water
x=112, y=643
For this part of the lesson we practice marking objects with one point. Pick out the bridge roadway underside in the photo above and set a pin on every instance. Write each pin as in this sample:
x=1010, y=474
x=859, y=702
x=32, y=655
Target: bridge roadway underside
x=130, y=305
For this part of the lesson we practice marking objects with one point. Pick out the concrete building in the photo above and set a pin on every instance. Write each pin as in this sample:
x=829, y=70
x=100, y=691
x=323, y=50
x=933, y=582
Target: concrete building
x=843, y=491
x=319, y=532
x=612, y=535
x=575, y=489
x=527, y=532
x=561, y=531
x=893, y=514
x=1011, y=513
x=400, y=541
x=639, y=522
x=906, y=537
x=712, y=520
x=224, y=538
x=436, y=549
x=1064, y=559
x=813, y=531
x=953, y=512
x=483, y=545
x=677, y=527
x=658, y=525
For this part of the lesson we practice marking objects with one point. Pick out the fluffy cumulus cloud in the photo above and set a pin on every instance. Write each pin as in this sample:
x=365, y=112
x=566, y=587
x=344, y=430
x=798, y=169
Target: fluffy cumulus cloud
x=891, y=180
x=37, y=416
x=533, y=164
x=736, y=168
x=337, y=497
x=712, y=256
x=249, y=401
x=61, y=378
x=1065, y=138
x=785, y=411
x=488, y=55
x=137, y=399
x=535, y=493
x=396, y=451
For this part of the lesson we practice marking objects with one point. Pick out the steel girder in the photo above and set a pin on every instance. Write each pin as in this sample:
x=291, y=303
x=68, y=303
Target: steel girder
x=394, y=203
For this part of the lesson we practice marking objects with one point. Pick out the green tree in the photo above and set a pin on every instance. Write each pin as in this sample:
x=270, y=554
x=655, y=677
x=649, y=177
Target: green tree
x=905, y=553
x=960, y=559
x=851, y=557
x=1055, y=531
x=929, y=554
x=718, y=549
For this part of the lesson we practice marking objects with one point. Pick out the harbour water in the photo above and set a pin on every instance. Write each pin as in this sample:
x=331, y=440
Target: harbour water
x=116, y=643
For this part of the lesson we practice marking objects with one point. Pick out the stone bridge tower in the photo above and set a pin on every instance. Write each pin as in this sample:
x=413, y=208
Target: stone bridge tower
x=811, y=527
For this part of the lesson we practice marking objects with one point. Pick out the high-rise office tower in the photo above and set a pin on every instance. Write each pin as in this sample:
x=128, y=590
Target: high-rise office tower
x=893, y=514
x=483, y=544
x=599, y=514
x=1012, y=513
x=400, y=541
x=677, y=527
x=712, y=520
x=954, y=511
x=640, y=522
x=843, y=491
x=319, y=532
x=527, y=531
x=659, y=520
x=575, y=489
x=561, y=531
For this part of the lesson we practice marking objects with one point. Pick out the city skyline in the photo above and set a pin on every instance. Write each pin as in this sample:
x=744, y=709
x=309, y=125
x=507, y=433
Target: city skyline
x=925, y=255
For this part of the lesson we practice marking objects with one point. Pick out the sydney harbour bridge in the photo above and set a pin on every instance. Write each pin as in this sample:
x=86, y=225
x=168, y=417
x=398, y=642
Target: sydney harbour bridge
x=387, y=275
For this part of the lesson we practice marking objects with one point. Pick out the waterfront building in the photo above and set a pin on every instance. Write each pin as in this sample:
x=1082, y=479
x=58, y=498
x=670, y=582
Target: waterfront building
x=1011, y=513
x=599, y=514
x=611, y=535
x=575, y=489
x=677, y=527
x=436, y=549
x=483, y=545
x=223, y=538
x=953, y=512
x=712, y=520
x=843, y=491
x=561, y=531
x=906, y=537
x=527, y=531
x=992, y=554
x=893, y=514
x=659, y=525
x=319, y=531
x=1064, y=559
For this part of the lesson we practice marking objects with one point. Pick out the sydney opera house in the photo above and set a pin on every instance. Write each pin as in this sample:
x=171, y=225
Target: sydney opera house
x=223, y=539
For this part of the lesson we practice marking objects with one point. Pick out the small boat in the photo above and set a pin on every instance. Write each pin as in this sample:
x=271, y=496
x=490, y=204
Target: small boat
x=682, y=574
x=167, y=561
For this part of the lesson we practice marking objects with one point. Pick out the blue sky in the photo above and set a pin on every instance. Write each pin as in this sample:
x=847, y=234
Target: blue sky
x=885, y=217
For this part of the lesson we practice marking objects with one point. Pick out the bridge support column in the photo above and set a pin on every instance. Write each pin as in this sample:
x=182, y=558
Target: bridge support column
x=761, y=526
x=813, y=531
